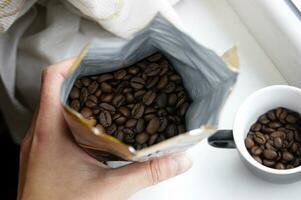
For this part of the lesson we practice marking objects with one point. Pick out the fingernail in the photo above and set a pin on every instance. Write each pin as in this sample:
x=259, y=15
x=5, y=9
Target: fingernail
x=182, y=161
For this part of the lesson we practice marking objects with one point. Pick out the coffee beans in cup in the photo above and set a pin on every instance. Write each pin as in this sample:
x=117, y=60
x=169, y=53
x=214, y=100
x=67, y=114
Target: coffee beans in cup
x=274, y=140
x=140, y=105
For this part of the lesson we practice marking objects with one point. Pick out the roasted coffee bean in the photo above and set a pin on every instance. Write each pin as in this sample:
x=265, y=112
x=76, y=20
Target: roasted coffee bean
x=152, y=139
x=258, y=159
x=161, y=138
x=278, y=142
x=271, y=115
x=162, y=82
x=120, y=120
x=127, y=90
x=140, y=125
x=98, y=92
x=96, y=111
x=75, y=104
x=119, y=74
x=269, y=154
x=133, y=70
x=256, y=127
x=139, y=93
x=155, y=57
x=130, y=98
x=171, y=130
x=106, y=98
x=129, y=137
x=176, y=78
x=249, y=142
x=142, y=138
x=86, y=112
x=142, y=64
x=278, y=112
x=164, y=68
x=153, y=125
x=264, y=120
x=91, y=101
x=294, y=147
x=266, y=129
x=78, y=84
x=74, y=93
x=279, y=166
x=105, y=77
x=130, y=106
x=274, y=124
x=124, y=111
x=287, y=156
x=171, y=110
x=269, y=163
x=270, y=146
x=137, y=110
x=151, y=82
x=259, y=138
x=105, y=118
x=153, y=69
x=137, y=83
x=148, y=117
x=296, y=162
x=289, y=135
x=172, y=99
x=118, y=100
x=149, y=97
x=278, y=134
x=149, y=110
x=93, y=87
x=161, y=112
x=283, y=115
x=83, y=95
x=105, y=87
x=181, y=129
x=291, y=119
x=131, y=123
x=256, y=150
x=85, y=81
x=170, y=87
x=121, y=86
x=163, y=124
x=161, y=100
x=107, y=106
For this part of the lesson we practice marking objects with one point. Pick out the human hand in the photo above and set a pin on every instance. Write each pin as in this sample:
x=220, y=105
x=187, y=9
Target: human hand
x=52, y=166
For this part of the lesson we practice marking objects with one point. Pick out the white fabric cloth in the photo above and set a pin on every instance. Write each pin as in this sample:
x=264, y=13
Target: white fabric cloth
x=50, y=31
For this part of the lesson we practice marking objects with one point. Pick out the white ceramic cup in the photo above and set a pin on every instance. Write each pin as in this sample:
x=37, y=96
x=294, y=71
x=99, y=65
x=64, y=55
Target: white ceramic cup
x=254, y=106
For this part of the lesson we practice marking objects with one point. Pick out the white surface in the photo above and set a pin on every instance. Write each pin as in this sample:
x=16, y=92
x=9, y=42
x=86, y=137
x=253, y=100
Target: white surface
x=218, y=173
x=277, y=29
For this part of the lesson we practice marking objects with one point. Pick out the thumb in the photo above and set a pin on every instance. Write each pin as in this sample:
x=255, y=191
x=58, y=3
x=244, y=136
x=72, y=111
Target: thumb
x=140, y=175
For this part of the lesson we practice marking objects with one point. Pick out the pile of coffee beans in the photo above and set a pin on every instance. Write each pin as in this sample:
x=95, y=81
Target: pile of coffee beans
x=274, y=140
x=140, y=105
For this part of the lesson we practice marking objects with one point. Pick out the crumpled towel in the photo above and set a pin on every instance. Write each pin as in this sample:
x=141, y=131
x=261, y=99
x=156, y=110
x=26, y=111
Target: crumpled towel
x=121, y=17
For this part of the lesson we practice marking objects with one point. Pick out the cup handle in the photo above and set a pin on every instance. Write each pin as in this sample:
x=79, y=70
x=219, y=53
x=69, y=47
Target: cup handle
x=222, y=139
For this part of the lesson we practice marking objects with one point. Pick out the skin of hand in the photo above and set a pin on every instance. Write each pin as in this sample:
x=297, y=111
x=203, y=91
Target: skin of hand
x=53, y=166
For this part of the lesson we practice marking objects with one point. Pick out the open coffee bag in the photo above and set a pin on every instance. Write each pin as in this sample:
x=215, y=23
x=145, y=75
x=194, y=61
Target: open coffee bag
x=206, y=77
